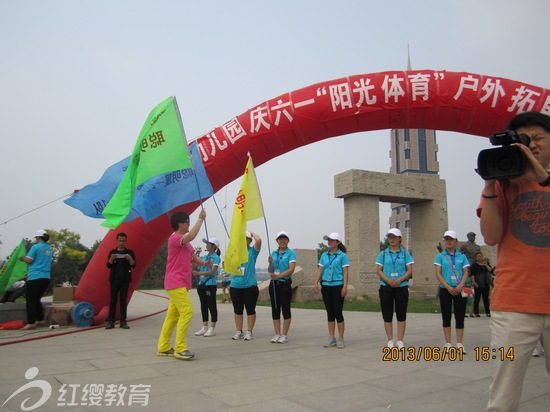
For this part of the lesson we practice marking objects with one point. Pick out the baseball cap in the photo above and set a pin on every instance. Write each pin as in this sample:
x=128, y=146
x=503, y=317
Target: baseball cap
x=212, y=241
x=395, y=232
x=248, y=234
x=333, y=236
x=40, y=233
x=450, y=233
x=282, y=234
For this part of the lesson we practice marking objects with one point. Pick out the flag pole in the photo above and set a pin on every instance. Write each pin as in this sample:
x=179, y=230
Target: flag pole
x=221, y=217
x=261, y=203
x=192, y=164
x=271, y=283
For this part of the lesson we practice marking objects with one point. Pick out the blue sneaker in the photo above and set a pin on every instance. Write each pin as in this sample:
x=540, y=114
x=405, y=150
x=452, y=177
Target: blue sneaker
x=331, y=343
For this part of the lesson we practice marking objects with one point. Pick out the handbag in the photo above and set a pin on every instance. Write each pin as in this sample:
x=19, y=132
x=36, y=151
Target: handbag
x=467, y=292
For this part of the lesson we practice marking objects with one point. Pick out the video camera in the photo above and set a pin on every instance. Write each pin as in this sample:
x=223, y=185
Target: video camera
x=506, y=162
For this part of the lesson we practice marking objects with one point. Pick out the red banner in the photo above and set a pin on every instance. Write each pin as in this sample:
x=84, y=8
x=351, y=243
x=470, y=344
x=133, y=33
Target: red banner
x=440, y=100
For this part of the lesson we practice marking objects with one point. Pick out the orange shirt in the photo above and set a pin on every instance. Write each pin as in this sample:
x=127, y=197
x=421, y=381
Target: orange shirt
x=522, y=282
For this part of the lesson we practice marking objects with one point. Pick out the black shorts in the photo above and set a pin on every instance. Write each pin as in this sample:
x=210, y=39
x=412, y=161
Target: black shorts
x=244, y=298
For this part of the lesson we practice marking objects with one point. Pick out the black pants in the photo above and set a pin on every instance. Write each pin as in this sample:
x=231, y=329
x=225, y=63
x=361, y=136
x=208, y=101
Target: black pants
x=207, y=295
x=118, y=288
x=334, y=302
x=35, y=290
x=479, y=292
x=280, y=294
x=449, y=302
x=394, y=296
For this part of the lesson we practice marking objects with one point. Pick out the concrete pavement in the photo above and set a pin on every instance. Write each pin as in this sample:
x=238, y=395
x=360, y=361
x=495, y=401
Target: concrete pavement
x=107, y=367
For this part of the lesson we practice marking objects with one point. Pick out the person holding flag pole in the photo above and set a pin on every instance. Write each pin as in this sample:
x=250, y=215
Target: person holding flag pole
x=240, y=257
x=244, y=290
x=177, y=282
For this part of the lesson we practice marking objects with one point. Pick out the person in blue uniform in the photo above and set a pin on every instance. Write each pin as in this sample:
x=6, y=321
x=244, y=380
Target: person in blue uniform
x=282, y=263
x=39, y=259
x=244, y=290
x=394, y=267
x=451, y=270
x=332, y=274
x=208, y=286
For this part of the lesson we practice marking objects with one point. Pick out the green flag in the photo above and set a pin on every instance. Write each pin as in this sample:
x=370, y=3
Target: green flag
x=15, y=268
x=161, y=148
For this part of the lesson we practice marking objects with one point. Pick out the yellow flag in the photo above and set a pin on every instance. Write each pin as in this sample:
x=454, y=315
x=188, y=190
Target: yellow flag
x=248, y=206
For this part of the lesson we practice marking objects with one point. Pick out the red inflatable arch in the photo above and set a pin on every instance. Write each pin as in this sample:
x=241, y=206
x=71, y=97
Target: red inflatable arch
x=461, y=102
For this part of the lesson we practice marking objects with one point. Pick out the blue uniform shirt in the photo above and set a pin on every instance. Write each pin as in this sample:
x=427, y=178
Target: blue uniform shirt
x=282, y=261
x=210, y=280
x=41, y=255
x=394, y=263
x=249, y=278
x=333, y=273
x=447, y=261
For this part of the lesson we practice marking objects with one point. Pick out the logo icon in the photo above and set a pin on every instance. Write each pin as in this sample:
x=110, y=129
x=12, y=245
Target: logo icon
x=40, y=384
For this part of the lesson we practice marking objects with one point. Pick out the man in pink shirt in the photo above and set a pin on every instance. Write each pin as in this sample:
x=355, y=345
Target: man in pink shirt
x=177, y=282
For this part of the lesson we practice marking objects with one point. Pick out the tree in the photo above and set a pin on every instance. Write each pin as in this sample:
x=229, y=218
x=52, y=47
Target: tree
x=153, y=277
x=322, y=248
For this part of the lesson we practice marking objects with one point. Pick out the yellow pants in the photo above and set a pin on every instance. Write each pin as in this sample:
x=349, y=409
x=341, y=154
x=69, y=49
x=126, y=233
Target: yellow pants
x=180, y=312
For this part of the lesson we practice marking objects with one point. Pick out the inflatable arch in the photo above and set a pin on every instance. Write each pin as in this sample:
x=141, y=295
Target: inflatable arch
x=441, y=100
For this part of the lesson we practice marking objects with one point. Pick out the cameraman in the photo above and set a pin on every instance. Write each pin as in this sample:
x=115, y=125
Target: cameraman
x=515, y=214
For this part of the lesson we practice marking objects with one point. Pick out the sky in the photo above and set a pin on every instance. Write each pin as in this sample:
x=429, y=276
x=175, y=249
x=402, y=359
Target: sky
x=78, y=79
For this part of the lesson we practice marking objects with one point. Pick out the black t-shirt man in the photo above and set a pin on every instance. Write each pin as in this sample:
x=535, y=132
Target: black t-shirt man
x=121, y=261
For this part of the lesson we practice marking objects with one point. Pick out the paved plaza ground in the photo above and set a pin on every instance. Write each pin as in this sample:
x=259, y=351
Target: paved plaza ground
x=254, y=375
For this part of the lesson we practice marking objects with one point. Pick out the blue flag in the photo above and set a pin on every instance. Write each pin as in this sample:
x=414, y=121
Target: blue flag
x=153, y=198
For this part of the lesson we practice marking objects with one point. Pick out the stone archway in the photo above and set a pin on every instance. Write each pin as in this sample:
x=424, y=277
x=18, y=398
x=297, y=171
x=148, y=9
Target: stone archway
x=362, y=192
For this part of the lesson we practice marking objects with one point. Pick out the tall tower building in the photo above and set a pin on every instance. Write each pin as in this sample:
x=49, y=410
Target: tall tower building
x=413, y=151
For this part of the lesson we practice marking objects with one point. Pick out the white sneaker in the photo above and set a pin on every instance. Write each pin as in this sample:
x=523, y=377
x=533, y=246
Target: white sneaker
x=340, y=343
x=447, y=346
x=400, y=344
x=201, y=331
x=283, y=339
x=390, y=344
x=210, y=332
x=461, y=346
x=275, y=339
x=248, y=335
x=238, y=335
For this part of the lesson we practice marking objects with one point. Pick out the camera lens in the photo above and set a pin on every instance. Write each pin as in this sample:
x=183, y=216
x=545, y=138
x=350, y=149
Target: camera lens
x=504, y=164
x=501, y=163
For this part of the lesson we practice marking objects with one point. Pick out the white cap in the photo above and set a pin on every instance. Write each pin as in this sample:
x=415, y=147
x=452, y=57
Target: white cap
x=282, y=234
x=450, y=233
x=248, y=234
x=333, y=236
x=395, y=232
x=40, y=233
x=212, y=241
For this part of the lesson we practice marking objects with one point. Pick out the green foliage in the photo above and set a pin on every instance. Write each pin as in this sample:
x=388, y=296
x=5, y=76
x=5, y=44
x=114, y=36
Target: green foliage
x=322, y=248
x=153, y=278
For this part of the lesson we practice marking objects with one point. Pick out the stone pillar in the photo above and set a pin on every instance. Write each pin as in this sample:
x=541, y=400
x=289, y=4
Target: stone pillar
x=362, y=225
x=362, y=191
x=428, y=223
